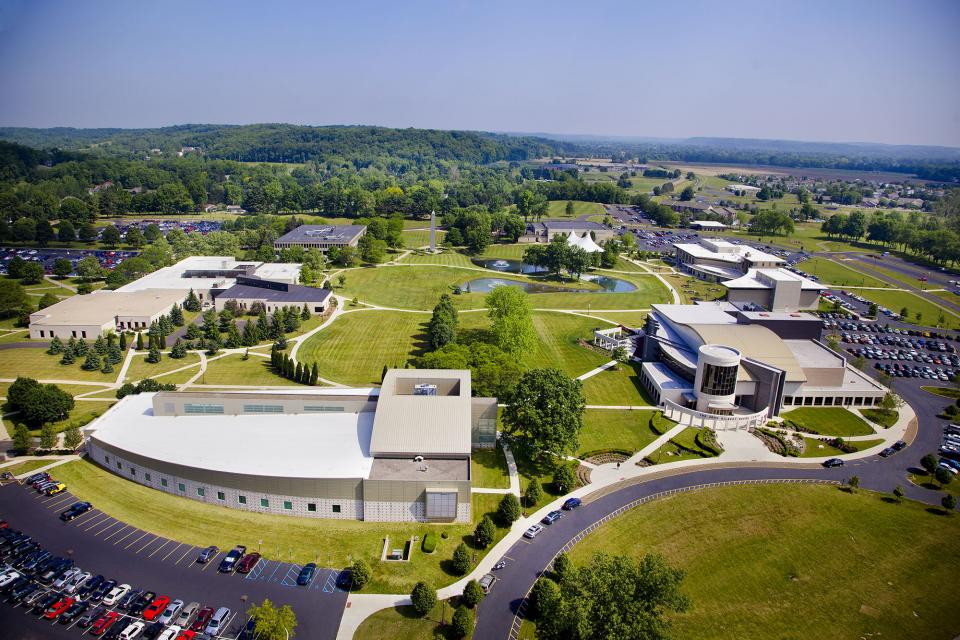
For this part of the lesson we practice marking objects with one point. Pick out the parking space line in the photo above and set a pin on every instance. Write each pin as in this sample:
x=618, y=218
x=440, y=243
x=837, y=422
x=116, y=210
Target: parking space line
x=106, y=528
x=145, y=534
x=257, y=570
x=330, y=584
x=86, y=517
x=99, y=520
x=63, y=500
x=119, y=531
x=147, y=544
x=179, y=544
x=184, y=555
x=211, y=561
x=293, y=570
x=270, y=578
x=166, y=541
x=317, y=582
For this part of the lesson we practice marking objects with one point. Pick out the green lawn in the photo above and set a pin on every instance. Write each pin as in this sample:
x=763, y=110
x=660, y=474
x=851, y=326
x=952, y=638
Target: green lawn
x=683, y=446
x=489, y=469
x=233, y=369
x=558, y=209
x=836, y=274
x=793, y=562
x=881, y=417
x=25, y=467
x=616, y=387
x=448, y=257
x=556, y=344
x=944, y=392
x=404, y=623
x=691, y=289
x=414, y=239
x=615, y=429
x=634, y=319
x=35, y=363
x=829, y=421
x=140, y=368
x=815, y=448
x=327, y=542
x=930, y=312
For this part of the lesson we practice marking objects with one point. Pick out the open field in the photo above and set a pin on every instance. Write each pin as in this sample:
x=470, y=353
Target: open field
x=829, y=421
x=35, y=363
x=633, y=319
x=328, y=542
x=140, y=368
x=807, y=562
x=614, y=429
x=709, y=169
x=404, y=623
x=233, y=369
x=616, y=387
x=449, y=257
x=413, y=239
x=691, y=289
x=558, y=209
x=835, y=273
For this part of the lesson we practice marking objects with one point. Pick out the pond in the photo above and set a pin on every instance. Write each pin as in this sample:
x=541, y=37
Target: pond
x=607, y=284
x=507, y=266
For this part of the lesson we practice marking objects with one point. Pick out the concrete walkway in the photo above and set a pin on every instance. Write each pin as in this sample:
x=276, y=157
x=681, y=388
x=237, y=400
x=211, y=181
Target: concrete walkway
x=600, y=369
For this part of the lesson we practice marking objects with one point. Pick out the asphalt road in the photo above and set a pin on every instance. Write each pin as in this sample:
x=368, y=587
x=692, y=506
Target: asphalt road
x=100, y=544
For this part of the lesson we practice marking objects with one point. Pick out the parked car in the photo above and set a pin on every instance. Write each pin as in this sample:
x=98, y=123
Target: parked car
x=104, y=622
x=156, y=607
x=218, y=622
x=208, y=554
x=76, y=610
x=248, y=562
x=77, y=509
x=486, y=582
x=54, y=610
x=886, y=453
x=170, y=612
x=833, y=462
x=133, y=631
x=136, y=606
x=306, y=574
x=571, y=503
x=899, y=445
x=103, y=590
x=186, y=615
x=170, y=633
x=203, y=617
x=89, y=617
x=229, y=562
x=552, y=517
x=533, y=531
x=55, y=489
x=115, y=594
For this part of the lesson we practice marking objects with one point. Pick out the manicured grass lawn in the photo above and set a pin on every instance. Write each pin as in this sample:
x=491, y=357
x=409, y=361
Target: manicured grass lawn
x=140, y=368
x=419, y=287
x=806, y=562
x=944, y=392
x=233, y=369
x=683, y=446
x=354, y=349
x=616, y=387
x=896, y=300
x=81, y=414
x=626, y=265
x=404, y=623
x=35, y=363
x=556, y=344
x=489, y=469
x=928, y=482
x=691, y=289
x=507, y=251
x=25, y=467
x=17, y=335
x=558, y=209
x=881, y=417
x=421, y=237
x=829, y=421
x=815, y=448
x=449, y=257
x=633, y=319
x=329, y=543
x=838, y=275
x=615, y=429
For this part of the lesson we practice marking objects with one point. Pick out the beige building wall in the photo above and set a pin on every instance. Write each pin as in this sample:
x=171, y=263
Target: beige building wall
x=67, y=331
x=247, y=303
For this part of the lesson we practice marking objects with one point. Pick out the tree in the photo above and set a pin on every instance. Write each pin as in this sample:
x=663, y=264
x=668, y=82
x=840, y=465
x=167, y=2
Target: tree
x=32, y=273
x=89, y=269
x=423, y=597
x=929, y=463
x=48, y=436
x=13, y=298
x=460, y=563
x=176, y=316
x=484, y=533
x=314, y=374
x=66, y=232
x=564, y=479
x=47, y=300
x=56, y=346
x=93, y=362
x=461, y=625
x=192, y=303
x=545, y=412
x=942, y=476
x=272, y=623
x=153, y=356
x=898, y=493
x=949, y=503
x=360, y=574
x=563, y=568
x=442, y=328
x=72, y=438
x=179, y=350
x=508, y=511
x=62, y=267
x=305, y=312
x=533, y=493
x=512, y=325
x=472, y=594
x=140, y=341
x=135, y=237
x=568, y=209
x=853, y=482
x=110, y=236
x=687, y=193
x=38, y=403
x=21, y=438
x=620, y=355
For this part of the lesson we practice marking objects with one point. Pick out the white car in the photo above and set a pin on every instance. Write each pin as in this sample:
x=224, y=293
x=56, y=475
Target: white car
x=115, y=594
x=65, y=579
x=76, y=582
x=533, y=531
x=170, y=633
x=133, y=631
x=170, y=612
x=8, y=577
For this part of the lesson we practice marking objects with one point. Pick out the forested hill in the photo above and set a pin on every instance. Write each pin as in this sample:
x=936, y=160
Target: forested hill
x=293, y=143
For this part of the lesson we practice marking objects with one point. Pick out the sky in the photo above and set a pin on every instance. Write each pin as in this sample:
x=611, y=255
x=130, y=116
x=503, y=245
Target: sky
x=838, y=70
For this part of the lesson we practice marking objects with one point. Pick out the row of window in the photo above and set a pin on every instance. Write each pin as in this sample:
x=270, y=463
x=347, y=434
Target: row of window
x=83, y=334
x=217, y=409
x=221, y=496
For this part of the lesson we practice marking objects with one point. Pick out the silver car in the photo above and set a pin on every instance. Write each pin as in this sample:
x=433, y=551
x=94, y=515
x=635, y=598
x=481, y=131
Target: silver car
x=171, y=612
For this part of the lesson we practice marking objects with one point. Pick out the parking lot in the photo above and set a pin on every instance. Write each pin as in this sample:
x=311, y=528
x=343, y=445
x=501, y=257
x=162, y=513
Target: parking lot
x=108, y=259
x=103, y=545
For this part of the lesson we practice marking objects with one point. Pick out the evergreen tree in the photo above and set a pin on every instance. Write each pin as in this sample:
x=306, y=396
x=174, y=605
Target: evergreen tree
x=100, y=345
x=92, y=363
x=192, y=303
x=423, y=597
x=68, y=357
x=176, y=316
x=193, y=332
x=314, y=374
x=508, y=511
x=56, y=346
x=154, y=355
x=162, y=341
x=233, y=336
x=305, y=314
x=72, y=345
x=291, y=321
x=281, y=342
x=111, y=339
x=276, y=325
x=460, y=563
x=223, y=321
x=484, y=533
x=250, y=336
x=213, y=346
x=179, y=351
x=298, y=373
x=263, y=326
x=443, y=325
x=123, y=341
x=472, y=594
x=107, y=366
x=461, y=624
x=166, y=325
x=139, y=341
x=81, y=348
x=21, y=438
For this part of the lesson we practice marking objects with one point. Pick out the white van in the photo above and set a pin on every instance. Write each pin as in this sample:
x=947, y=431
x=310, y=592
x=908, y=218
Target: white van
x=218, y=622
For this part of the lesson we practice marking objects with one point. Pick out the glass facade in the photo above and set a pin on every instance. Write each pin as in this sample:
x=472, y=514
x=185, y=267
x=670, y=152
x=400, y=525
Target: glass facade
x=718, y=381
x=216, y=409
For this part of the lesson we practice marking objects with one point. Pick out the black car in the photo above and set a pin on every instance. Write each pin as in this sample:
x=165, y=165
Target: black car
x=833, y=462
x=16, y=584
x=208, y=554
x=117, y=628
x=18, y=595
x=152, y=631
x=137, y=606
x=105, y=587
x=306, y=574
x=89, y=617
x=41, y=605
x=886, y=453
x=75, y=610
x=90, y=586
x=127, y=601
x=250, y=628
x=55, y=571
x=229, y=562
x=75, y=510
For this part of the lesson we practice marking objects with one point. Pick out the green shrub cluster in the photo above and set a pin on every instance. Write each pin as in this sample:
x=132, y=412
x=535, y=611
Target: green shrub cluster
x=660, y=424
x=600, y=452
x=429, y=543
x=706, y=439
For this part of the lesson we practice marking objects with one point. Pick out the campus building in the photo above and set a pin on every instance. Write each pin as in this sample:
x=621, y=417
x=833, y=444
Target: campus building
x=322, y=237
x=715, y=365
x=272, y=295
x=545, y=231
x=398, y=453
x=92, y=315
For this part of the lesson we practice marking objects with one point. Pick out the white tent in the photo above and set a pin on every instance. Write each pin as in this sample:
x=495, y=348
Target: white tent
x=586, y=243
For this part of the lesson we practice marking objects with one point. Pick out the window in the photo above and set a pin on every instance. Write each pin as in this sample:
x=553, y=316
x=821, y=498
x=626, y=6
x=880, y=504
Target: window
x=311, y=506
x=336, y=508
x=287, y=505
x=242, y=499
x=83, y=333
x=262, y=408
x=119, y=466
x=718, y=381
x=147, y=477
x=163, y=482
x=181, y=487
x=106, y=459
x=203, y=408
x=201, y=492
x=41, y=334
x=264, y=502
x=133, y=471
x=321, y=408
x=221, y=496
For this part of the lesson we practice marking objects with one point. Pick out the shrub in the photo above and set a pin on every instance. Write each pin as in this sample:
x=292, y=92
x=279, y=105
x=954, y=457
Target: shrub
x=360, y=573
x=484, y=533
x=472, y=594
x=423, y=597
x=462, y=623
x=707, y=440
x=429, y=543
x=563, y=568
x=460, y=563
x=601, y=452
x=660, y=424
x=564, y=479
x=508, y=511
x=533, y=494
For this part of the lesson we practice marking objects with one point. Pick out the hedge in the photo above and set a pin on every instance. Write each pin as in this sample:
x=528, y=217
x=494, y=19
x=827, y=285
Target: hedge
x=707, y=441
x=429, y=543
x=659, y=424
x=600, y=452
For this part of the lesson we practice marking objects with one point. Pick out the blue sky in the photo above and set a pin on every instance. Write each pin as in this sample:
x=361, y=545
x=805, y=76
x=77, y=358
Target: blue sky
x=877, y=71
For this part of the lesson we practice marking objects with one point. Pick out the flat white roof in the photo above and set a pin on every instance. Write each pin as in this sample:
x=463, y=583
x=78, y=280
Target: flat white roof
x=665, y=378
x=102, y=307
x=709, y=223
x=755, y=279
x=707, y=313
x=330, y=445
x=172, y=277
x=716, y=249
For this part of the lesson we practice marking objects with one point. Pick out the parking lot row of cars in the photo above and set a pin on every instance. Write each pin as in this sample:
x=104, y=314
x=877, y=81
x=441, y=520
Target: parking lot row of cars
x=950, y=449
x=46, y=257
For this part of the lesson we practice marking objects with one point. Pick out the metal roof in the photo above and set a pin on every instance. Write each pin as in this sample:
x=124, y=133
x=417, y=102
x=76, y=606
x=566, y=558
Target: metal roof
x=342, y=233
x=755, y=342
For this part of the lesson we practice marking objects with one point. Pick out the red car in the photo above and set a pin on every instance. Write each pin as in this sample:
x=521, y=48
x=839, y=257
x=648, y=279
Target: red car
x=156, y=607
x=105, y=621
x=53, y=611
x=248, y=562
x=187, y=635
x=202, y=619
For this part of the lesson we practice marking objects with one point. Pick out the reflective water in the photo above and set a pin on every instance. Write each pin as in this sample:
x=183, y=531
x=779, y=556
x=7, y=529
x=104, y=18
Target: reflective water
x=607, y=284
x=507, y=266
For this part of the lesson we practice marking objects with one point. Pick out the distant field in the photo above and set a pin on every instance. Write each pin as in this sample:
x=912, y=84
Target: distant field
x=834, y=273
x=558, y=208
x=929, y=312
x=844, y=174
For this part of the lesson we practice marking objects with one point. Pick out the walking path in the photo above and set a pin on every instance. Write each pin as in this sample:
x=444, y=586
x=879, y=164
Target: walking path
x=600, y=369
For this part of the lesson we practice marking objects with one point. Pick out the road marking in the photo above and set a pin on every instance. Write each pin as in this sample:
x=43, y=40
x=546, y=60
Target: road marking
x=145, y=534
x=49, y=505
x=257, y=570
x=149, y=542
x=119, y=531
x=86, y=517
x=211, y=561
x=270, y=578
x=330, y=584
x=165, y=543
x=171, y=551
x=99, y=521
x=184, y=555
x=107, y=528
